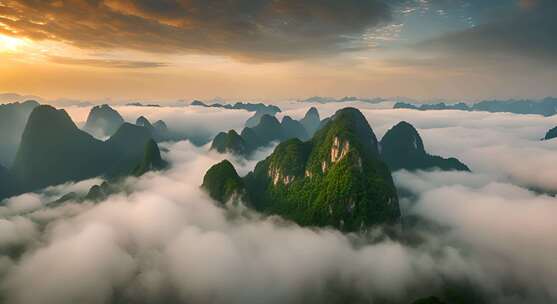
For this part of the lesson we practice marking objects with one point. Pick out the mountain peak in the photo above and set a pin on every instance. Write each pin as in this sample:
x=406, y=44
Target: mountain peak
x=403, y=148
x=268, y=120
x=143, y=122
x=229, y=142
x=161, y=126
x=222, y=182
x=130, y=134
x=402, y=137
x=30, y=103
x=312, y=112
x=46, y=120
x=103, y=121
x=551, y=134
x=311, y=121
x=293, y=129
x=349, y=124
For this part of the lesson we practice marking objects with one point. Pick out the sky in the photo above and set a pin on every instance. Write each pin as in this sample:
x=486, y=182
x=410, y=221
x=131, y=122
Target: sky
x=278, y=50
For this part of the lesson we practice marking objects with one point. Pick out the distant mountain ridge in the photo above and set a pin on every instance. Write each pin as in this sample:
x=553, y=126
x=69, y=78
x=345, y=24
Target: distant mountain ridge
x=159, y=130
x=268, y=130
x=403, y=148
x=545, y=107
x=260, y=110
x=250, y=107
x=139, y=104
x=103, y=121
x=323, y=100
x=15, y=98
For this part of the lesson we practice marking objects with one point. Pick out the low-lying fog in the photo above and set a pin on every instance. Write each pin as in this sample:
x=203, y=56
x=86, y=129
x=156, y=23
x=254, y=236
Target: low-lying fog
x=168, y=241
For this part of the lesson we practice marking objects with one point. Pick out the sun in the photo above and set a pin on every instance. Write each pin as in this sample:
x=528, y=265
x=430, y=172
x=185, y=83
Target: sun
x=10, y=44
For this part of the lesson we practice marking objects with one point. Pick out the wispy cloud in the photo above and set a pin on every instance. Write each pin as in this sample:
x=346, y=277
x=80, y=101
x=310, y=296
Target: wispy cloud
x=107, y=63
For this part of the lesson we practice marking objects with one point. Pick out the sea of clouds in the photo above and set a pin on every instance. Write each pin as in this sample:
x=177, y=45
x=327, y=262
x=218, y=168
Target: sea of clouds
x=168, y=242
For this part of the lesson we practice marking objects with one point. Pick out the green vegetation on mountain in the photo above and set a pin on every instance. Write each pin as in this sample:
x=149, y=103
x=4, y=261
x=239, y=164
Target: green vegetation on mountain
x=336, y=179
x=13, y=117
x=53, y=151
x=551, y=134
x=152, y=160
x=403, y=148
x=222, y=182
x=230, y=142
x=103, y=121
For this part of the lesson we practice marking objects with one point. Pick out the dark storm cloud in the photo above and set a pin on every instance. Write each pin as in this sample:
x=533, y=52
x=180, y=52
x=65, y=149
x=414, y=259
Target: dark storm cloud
x=262, y=29
x=528, y=32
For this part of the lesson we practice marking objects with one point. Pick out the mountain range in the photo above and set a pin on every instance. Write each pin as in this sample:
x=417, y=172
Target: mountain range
x=545, y=107
x=54, y=150
x=159, y=130
x=335, y=179
x=260, y=110
x=341, y=177
x=268, y=130
x=323, y=100
x=250, y=107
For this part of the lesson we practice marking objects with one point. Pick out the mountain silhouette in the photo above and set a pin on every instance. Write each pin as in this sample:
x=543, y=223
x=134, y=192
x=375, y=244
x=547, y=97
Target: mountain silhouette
x=403, y=148
x=103, y=121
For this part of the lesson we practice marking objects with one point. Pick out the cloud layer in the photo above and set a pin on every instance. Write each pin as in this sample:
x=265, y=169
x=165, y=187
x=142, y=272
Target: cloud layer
x=168, y=242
